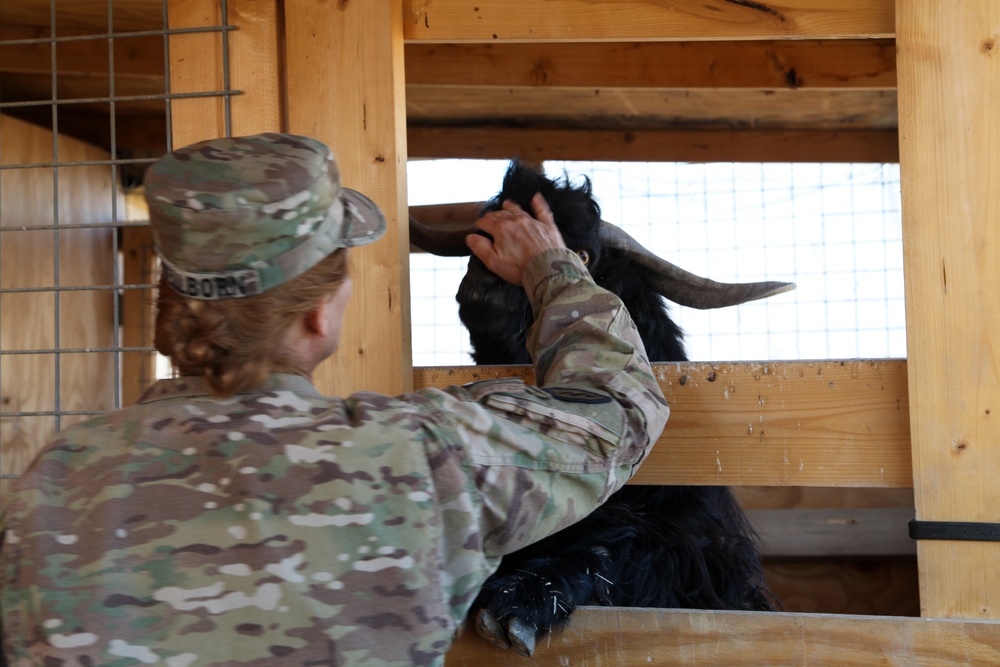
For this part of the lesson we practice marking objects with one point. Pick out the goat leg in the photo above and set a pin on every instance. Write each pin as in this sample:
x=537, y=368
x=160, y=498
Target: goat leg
x=520, y=606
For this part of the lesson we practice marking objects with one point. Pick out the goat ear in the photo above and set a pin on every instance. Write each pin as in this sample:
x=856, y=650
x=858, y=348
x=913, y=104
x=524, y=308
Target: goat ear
x=681, y=286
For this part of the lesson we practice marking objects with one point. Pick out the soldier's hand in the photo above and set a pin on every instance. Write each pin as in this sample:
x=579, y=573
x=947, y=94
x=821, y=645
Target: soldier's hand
x=514, y=238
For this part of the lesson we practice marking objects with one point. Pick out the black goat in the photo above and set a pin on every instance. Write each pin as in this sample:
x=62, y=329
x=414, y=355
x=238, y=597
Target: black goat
x=648, y=546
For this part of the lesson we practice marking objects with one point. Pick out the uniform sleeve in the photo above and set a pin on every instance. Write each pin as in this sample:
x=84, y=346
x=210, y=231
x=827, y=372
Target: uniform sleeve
x=583, y=336
x=541, y=458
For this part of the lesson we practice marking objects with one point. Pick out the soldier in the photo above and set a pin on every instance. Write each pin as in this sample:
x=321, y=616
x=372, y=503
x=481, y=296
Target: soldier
x=235, y=515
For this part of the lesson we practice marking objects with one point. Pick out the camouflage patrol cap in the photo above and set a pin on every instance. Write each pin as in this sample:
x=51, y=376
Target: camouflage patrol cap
x=235, y=217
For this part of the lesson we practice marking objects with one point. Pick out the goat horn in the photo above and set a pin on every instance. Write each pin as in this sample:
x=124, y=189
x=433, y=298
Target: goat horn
x=437, y=241
x=683, y=287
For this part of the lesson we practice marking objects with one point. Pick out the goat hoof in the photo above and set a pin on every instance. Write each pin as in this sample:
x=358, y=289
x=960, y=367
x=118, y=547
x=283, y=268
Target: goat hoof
x=522, y=637
x=490, y=629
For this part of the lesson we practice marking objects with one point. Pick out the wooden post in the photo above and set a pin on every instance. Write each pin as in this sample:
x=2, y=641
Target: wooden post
x=345, y=87
x=353, y=103
x=949, y=128
x=138, y=369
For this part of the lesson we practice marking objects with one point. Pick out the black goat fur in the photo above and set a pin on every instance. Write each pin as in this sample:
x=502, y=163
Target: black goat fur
x=648, y=546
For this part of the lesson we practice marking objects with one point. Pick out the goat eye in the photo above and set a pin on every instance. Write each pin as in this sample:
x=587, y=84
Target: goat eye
x=584, y=256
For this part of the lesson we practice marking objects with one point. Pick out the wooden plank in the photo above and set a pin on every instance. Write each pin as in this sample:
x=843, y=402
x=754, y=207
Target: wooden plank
x=824, y=423
x=636, y=20
x=833, y=532
x=653, y=108
x=610, y=637
x=356, y=104
x=540, y=144
x=949, y=70
x=850, y=63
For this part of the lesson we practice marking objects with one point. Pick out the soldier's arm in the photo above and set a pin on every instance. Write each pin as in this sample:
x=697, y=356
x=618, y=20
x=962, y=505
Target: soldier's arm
x=545, y=457
x=534, y=460
x=583, y=336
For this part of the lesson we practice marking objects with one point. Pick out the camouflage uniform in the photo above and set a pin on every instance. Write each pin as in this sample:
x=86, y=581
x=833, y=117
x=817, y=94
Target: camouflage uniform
x=283, y=527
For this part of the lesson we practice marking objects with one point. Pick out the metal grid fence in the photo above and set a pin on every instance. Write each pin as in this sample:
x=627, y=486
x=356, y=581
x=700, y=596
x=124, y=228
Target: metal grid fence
x=833, y=229
x=85, y=105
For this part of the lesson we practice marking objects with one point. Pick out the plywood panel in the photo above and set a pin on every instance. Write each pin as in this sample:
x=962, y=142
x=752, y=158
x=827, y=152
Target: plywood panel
x=825, y=423
x=40, y=320
x=949, y=74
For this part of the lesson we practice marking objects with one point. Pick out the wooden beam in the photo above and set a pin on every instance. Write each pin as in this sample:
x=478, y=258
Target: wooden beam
x=949, y=71
x=826, y=533
x=850, y=63
x=649, y=108
x=822, y=423
x=680, y=145
x=345, y=86
x=626, y=637
x=643, y=20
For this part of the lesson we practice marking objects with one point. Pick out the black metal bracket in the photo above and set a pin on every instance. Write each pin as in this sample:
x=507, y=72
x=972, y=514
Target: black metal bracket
x=965, y=531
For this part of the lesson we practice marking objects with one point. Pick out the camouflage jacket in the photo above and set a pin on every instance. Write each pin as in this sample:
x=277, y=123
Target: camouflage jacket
x=284, y=527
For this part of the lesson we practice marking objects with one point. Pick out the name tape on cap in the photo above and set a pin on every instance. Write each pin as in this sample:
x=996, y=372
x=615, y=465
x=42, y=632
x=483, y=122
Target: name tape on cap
x=214, y=286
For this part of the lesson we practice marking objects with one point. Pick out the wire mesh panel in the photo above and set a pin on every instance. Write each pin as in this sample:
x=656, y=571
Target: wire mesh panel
x=833, y=229
x=86, y=100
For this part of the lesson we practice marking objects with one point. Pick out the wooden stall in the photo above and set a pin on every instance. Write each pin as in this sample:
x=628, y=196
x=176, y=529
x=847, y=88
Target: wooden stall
x=716, y=80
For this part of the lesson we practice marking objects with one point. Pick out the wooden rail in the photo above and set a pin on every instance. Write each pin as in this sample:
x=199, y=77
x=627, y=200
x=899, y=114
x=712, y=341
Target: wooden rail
x=587, y=21
x=608, y=636
x=799, y=423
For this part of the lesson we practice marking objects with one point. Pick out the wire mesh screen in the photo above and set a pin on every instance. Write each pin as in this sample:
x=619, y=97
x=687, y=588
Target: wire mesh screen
x=85, y=105
x=833, y=229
